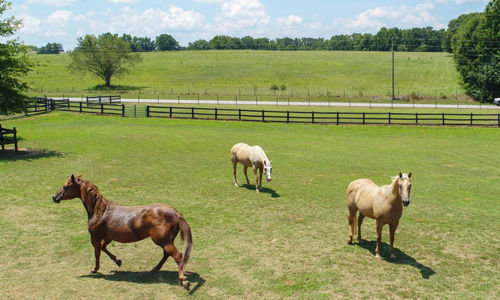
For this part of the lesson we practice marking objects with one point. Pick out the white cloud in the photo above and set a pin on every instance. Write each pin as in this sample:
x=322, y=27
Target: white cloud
x=53, y=2
x=290, y=21
x=239, y=15
x=405, y=16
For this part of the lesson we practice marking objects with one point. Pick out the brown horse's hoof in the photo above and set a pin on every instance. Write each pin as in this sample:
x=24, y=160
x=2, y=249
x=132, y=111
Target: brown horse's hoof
x=118, y=262
x=93, y=271
x=361, y=242
x=349, y=241
x=186, y=285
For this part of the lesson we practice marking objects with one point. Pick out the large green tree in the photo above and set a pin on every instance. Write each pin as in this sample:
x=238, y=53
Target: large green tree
x=14, y=63
x=476, y=49
x=105, y=56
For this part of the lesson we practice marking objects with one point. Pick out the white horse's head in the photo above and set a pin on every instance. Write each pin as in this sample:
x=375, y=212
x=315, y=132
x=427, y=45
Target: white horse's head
x=268, y=168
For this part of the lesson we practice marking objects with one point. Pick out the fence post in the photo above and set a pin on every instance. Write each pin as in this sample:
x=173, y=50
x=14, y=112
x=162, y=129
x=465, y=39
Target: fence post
x=263, y=118
x=416, y=118
x=471, y=123
x=443, y=118
x=102, y=107
x=389, y=118
x=239, y=114
x=123, y=109
x=288, y=118
x=81, y=108
x=192, y=112
x=216, y=113
x=363, y=118
x=147, y=111
x=337, y=118
x=15, y=138
x=170, y=112
x=1, y=137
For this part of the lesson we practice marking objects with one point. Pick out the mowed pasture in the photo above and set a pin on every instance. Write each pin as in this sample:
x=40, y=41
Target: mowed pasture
x=246, y=74
x=288, y=242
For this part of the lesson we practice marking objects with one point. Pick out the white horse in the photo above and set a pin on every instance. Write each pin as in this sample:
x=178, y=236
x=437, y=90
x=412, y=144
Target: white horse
x=251, y=157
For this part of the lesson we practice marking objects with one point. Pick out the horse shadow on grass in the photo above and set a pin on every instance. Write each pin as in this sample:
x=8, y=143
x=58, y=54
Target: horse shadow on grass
x=26, y=154
x=264, y=190
x=401, y=257
x=148, y=277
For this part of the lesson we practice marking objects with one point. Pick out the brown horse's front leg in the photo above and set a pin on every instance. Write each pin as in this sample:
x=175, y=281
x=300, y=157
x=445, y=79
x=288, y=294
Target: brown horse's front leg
x=97, y=249
x=113, y=257
x=392, y=231
x=380, y=225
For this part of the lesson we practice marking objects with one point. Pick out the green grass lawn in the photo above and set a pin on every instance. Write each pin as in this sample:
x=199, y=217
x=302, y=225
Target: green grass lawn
x=289, y=242
x=306, y=74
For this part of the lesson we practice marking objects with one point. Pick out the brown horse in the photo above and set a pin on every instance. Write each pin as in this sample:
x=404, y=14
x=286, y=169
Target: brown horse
x=109, y=221
x=384, y=204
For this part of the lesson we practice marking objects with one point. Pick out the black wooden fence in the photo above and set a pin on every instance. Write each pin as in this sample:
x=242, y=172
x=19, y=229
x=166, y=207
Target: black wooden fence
x=104, y=99
x=334, y=118
x=5, y=140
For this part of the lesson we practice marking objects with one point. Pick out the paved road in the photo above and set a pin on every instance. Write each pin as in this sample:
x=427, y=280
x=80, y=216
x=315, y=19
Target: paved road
x=324, y=104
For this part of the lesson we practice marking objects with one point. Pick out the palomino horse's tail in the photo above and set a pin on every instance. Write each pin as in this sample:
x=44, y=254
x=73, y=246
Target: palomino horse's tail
x=187, y=237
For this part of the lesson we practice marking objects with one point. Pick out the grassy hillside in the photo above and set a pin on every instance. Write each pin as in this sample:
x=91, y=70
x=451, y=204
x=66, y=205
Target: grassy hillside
x=289, y=242
x=244, y=73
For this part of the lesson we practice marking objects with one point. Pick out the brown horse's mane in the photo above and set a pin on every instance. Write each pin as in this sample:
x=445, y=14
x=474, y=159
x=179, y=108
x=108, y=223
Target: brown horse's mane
x=94, y=202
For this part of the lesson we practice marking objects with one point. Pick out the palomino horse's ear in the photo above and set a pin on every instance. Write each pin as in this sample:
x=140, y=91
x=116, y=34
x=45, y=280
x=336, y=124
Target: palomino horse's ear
x=400, y=175
x=271, y=162
x=409, y=175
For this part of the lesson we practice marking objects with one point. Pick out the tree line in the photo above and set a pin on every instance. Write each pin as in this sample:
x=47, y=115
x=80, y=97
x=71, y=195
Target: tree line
x=424, y=39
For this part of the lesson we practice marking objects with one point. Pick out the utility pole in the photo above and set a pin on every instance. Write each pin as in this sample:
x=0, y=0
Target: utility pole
x=392, y=49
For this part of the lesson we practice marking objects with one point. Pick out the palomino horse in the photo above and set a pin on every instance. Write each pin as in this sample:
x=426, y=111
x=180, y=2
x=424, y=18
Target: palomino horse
x=251, y=157
x=384, y=204
x=109, y=221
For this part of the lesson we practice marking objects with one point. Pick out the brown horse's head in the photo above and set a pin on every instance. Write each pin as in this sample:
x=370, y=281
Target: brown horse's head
x=70, y=190
x=404, y=188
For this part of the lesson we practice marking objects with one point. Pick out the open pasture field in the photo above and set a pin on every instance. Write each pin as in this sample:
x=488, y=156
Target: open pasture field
x=288, y=242
x=320, y=75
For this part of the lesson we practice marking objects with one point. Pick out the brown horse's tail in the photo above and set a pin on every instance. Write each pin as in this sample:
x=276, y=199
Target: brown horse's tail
x=187, y=237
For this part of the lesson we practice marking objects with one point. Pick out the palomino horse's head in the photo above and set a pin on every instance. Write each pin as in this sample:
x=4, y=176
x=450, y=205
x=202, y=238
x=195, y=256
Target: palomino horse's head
x=268, y=168
x=404, y=188
x=70, y=190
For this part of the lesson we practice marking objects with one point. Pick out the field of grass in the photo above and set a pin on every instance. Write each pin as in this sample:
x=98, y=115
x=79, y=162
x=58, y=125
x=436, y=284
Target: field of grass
x=288, y=242
x=306, y=74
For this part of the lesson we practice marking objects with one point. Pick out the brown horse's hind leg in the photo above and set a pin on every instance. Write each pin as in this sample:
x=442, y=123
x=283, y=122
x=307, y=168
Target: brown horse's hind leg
x=162, y=261
x=113, y=257
x=97, y=251
x=360, y=221
x=177, y=256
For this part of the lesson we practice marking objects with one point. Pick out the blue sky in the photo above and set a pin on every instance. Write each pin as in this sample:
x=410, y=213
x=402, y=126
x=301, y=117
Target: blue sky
x=62, y=21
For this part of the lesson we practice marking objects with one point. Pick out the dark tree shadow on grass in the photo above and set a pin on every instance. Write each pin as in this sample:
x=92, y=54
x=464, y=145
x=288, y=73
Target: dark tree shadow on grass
x=148, y=277
x=401, y=257
x=265, y=190
x=26, y=154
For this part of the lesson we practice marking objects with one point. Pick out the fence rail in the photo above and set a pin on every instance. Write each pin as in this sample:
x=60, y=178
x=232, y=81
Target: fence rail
x=337, y=118
x=104, y=99
x=8, y=140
